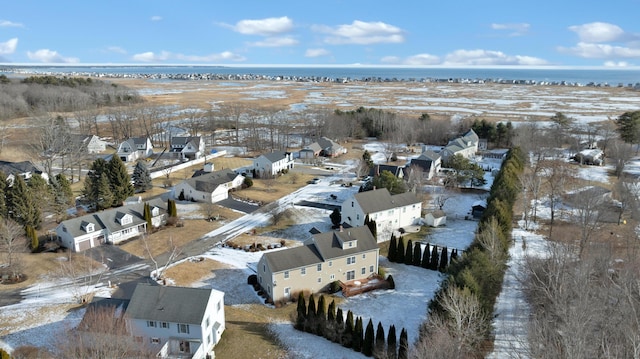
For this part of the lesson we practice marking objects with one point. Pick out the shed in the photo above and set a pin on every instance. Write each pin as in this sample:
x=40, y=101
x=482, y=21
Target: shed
x=436, y=218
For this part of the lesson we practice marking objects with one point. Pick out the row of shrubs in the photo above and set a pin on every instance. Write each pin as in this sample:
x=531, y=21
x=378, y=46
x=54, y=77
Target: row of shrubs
x=430, y=258
x=350, y=333
x=254, y=247
x=480, y=270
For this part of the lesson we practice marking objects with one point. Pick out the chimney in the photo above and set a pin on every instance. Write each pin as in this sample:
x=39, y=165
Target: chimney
x=341, y=229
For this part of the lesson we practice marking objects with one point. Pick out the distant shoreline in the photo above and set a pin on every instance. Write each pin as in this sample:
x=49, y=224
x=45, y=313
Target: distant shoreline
x=338, y=75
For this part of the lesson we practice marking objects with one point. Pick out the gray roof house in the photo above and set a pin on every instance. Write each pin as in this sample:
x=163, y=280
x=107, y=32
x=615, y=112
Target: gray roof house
x=177, y=321
x=135, y=148
x=209, y=187
x=466, y=146
x=428, y=162
x=341, y=255
x=272, y=163
x=189, y=147
x=322, y=147
x=89, y=143
x=113, y=225
x=24, y=169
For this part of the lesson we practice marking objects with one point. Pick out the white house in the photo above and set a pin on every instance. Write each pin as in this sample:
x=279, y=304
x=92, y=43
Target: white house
x=113, y=226
x=322, y=147
x=209, y=187
x=272, y=163
x=177, y=322
x=428, y=162
x=90, y=143
x=389, y=212
x=466, y=146
x=190, y=147
x=435, y=219
x=135, y=148
x=24, y=169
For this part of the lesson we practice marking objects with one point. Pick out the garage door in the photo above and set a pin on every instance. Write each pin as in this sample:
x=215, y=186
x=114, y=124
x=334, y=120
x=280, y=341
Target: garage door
x=84, y=245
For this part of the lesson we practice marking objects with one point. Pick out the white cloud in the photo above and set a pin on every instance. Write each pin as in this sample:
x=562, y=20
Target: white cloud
x=598, y=32
x=50, y=56
x=116, y=49
x=481, y=57
x=421, y=60
x=395, y=60
x=518, y=29
x=264, y=27
x=8, y=47
x=275, y=42
x=361, y=33
x=166, y=55
x=317, y=53
x=600, y=51
x=7, y=23
x=616, y=64
x=156, y=18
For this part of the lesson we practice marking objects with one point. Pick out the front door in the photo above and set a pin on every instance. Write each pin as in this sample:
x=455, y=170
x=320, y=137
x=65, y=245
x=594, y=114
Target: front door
x=184, y=347
x=287, y=292
x=351, y=275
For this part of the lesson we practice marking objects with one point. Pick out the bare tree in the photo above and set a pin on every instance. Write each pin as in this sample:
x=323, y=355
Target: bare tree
x=490, y=239
x=557, y=175
x=12, y=241
x=172, y=254
x=627, y=192
x=588, y=209
x=80, y=272
x=234, y=113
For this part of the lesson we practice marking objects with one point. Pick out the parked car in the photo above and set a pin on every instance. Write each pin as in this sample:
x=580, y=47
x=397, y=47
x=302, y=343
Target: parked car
x=313, y=181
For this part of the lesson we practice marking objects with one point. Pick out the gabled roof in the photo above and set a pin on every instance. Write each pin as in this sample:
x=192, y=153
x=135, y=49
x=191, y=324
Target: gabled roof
x=381, y=200
x=429, y=156
x=108, y=219
x=169, y=304
x=183, y=141
x=328, y=144
x=395, y=170
x=425, y=165
x=209, y=181
x=139, y=140
x=275, y=156
x=321, y=248
x=13, y=168
x=315, y=147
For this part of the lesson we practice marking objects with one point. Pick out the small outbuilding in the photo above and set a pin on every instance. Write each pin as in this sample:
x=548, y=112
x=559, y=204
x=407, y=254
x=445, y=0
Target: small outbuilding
x=436, y=218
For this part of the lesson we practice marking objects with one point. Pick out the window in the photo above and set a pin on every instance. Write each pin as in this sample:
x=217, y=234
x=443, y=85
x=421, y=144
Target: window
x=364, y=256
x=370, y=269
x=351, y=260
x=332, y=277
x=303, y=271
x=164, y=325
x=330, y=263
x=155, y=340
x=206, y=323
x=357, y=217
x=264, y=267
x=364, y=270
x=351, y=203
x=151, y=323
x=351, y=275
x=220, y=304
x=404, y=210
x=286, y=274
x=319, y=280
x=183, y=328
x=319, y=267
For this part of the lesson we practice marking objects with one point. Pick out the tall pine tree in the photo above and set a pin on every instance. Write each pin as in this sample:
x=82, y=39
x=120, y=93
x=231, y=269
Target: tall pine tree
x=433, y=261
x=21, y=206
x=62, y=195
x=444, y=260
x=92, y=181
x=147, y=216
x=349, y=326
x=403, y=349
x=358, y=332
x=393, y=248
x=119, y=181
x=426, y=255
x=392, y=343
x=417, y=254
x=408, y=255
x=104, y=197
x=380, y=340
x=301, y=312
x=400, y=251
x=311, y=315
x=141, y=177
x=369, y=337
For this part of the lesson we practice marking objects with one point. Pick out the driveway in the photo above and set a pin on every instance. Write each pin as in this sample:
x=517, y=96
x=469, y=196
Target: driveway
x=238, y=205
x=112, y=256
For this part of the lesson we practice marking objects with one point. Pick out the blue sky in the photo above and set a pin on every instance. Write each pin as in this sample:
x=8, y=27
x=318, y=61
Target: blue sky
x=329, y=32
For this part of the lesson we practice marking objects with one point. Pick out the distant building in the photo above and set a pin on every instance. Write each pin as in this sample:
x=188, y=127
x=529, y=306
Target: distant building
x=465, y=146
x=272, y=163
x=189, y=148
x=135, y=148
x=24, y=169
x=322, y=147
x=209, y=187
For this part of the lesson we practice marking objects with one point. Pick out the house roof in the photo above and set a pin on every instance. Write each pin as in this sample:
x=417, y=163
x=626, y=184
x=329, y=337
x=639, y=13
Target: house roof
x=139, y=140
x=328, y=144
x=381, y=200
x=108, y=219
x=424, y=164
x=275, y=156
x=315, y=147
x=438, y=213
x=429, y=156
x=13, y=168
x=395, y=170
x=208, y=182
x=178, y=140
x=170, y=304
x=322, y=247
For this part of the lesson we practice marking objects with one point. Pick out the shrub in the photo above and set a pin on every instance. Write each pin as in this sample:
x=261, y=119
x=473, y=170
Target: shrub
x=252, y=280
x=382, y=272
x=392, y=284
x=248, y=182
x=335, y=287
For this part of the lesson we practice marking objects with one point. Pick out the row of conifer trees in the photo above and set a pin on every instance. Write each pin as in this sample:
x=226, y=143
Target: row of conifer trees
x=413, y=254
x=330, y=323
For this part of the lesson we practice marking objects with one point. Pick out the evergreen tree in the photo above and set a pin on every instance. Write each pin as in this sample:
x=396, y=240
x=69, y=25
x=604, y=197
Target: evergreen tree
x=403, y=350
x=380, y=340
x=62, y=195
x=444, y=260
x=331, y=311
x=174, y=209
x=311, y=315
x=147, y=216
x=347, y=338
x=92, y=182
x=408, y=255
x=400, y=251
x=339, y=318
x=454, y=255
x=39, y=188
x=373, y=227
x=393, y=247
x=21, y=206
x=301, y=311
x=119, y=181
x=3, y=191
x=417, y=254
x=32, y=235
x=4, y=354
x=141, y=177
x=433, y=262
x=369, y=337
x=357, y=335
x=426, y=255
x=336, y=218
x=392, y=283
x=104, y=197
x=321, y=316
x=392, y=343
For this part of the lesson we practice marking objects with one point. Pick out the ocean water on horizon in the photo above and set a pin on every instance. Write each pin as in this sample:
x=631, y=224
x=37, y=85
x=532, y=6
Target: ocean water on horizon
x=612, y=77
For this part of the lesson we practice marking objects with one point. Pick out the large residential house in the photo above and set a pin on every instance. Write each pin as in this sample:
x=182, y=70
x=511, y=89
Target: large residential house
x=340, y=255
x=90, y=144
x=209, y=187
x=272, y=163
x=135, y=148
x=112, y=226
x=24, y=169
x=322, y=147
x=465, y=146
x=390, y=212
x=397, y=171
x=187, y=148
x=429, y=163
x=177, y=322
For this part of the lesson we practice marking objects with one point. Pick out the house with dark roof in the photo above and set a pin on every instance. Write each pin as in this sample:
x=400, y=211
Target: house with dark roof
x=209, y=187
x=89, y=143
x=177, y=322
x=188, y=148
x=390, y=212
x=465, y=146
x=398, y=171
x=429, y=163
x=322, y=147
x=272, y=163
x=24, y=169
x=344, y=255
x=112, y=226
x=135, y=148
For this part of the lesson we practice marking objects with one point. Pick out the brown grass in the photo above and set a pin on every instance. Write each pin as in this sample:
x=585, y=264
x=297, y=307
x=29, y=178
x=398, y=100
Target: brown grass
x=188, y=272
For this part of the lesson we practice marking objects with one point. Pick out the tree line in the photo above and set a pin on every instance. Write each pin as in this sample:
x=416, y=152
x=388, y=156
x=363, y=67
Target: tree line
x=413, y=254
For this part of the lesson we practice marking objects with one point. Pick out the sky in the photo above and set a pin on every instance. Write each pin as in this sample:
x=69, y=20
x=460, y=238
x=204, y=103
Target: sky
x=463, y=33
